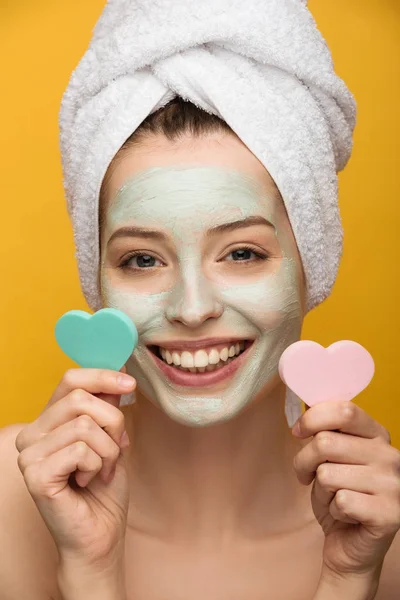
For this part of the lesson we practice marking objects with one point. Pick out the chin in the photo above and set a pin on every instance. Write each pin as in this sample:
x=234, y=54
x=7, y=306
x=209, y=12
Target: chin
x=202, y=412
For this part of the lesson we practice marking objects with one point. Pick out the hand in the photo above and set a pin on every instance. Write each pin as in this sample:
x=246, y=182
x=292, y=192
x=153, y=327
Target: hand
x=67, y=457
x=356, y=495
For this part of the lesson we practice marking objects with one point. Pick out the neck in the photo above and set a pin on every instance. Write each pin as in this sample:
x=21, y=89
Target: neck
x=226, y=480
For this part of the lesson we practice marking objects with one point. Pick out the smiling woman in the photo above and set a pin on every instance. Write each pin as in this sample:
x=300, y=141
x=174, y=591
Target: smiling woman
x=201, y=143
x=210, y=272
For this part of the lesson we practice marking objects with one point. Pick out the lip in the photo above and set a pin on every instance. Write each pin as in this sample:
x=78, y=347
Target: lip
x=206, y=379
x=195, y=344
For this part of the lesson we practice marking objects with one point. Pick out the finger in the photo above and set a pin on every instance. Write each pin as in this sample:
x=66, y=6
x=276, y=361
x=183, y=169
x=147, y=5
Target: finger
x=48, y=478
x=83, y=428
x=343, y=416
x=95, y=381
x=113, y=399
x=77, y=403
x=376, y=514
x=337, y=448
x=330, y=478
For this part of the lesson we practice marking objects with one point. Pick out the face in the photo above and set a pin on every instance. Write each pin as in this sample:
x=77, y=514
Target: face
x=198, y=251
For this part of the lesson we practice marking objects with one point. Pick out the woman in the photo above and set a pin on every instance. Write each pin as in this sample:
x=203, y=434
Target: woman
x=212, y=496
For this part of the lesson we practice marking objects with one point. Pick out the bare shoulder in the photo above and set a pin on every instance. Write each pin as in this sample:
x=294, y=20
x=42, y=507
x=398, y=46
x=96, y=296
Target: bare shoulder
x=28, y=555
x=389, y=585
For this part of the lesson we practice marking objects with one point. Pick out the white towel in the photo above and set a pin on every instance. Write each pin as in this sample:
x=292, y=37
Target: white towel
x=261, y=65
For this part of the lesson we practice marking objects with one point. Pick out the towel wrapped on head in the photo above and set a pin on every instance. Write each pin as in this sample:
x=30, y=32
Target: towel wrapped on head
x=261, y=65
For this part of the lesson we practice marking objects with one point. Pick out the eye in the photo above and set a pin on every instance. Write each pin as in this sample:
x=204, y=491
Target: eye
x=140, y=261
x=246, y=254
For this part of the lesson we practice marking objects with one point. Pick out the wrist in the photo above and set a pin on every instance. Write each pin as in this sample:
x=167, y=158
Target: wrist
x=80, y=581
x=349, y=586
x=76, y=588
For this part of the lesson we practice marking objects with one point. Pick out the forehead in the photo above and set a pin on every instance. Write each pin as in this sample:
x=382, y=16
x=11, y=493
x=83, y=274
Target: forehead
x=190, y=198
x=217, y=149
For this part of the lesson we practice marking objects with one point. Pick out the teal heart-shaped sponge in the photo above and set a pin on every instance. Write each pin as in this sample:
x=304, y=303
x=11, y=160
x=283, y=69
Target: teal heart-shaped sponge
x=104, y=340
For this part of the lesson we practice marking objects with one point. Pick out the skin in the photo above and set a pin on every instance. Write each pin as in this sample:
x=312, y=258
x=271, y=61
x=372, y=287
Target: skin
x=197, y=288
x=224, y=457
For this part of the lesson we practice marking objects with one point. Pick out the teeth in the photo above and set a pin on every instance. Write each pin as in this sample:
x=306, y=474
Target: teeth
x=224, y=354
x=202, y=360
x=187, y=360
x=213, y=357
x=176, y=359
x=206, y=369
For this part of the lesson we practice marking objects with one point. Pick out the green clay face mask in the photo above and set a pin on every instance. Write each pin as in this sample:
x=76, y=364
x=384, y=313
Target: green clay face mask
x=196, y=288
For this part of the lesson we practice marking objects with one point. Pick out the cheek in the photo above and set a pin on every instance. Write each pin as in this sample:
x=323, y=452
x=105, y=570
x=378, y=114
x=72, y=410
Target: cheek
x=271, y=301
x=145, y=310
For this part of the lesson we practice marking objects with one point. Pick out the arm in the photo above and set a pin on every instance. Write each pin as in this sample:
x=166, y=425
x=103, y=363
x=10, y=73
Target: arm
x=347, y=587
x=28, y=557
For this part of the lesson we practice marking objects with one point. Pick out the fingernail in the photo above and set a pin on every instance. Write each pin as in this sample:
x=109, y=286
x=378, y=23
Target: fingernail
x=125, y=381
x=124, y=443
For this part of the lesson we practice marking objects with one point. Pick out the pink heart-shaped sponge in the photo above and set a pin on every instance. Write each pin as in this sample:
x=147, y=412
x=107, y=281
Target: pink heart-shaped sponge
x=317, y=374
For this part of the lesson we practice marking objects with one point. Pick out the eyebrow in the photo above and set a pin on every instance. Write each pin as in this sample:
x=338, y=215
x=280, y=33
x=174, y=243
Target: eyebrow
x=139, y=232
x=153, y=234
x=240, y=224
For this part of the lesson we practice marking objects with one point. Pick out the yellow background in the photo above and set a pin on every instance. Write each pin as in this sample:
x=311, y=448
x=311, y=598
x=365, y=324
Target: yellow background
x=41, y=42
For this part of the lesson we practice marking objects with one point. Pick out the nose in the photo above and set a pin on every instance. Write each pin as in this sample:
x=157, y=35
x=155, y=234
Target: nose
x=192, y=302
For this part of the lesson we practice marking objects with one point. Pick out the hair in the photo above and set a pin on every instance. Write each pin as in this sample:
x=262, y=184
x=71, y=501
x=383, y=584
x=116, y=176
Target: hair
x=174, y=120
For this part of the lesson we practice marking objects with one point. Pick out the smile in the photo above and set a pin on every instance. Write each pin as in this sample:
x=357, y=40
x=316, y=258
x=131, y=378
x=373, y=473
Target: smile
x=203, y=366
